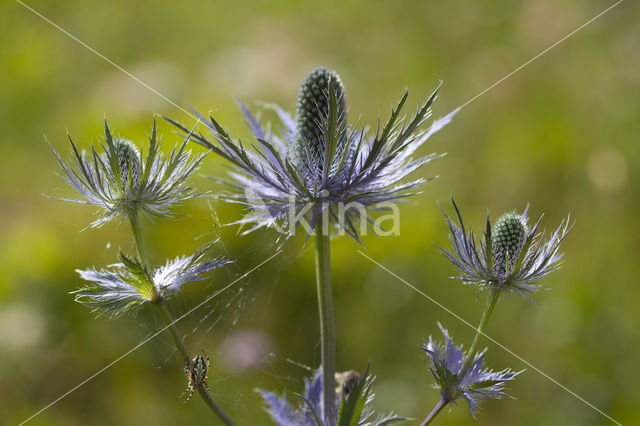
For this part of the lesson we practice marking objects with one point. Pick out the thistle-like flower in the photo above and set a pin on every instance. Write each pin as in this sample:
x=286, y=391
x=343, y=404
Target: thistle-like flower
x=512, y=256
x=476, y=384
x=317, y=166
x=123, y=183
x=354, y=405
x=127, y=285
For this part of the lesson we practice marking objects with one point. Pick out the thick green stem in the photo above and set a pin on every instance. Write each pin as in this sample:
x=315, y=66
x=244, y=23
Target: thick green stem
x=327, y=322
x=488, y=310
x=436, y=410
x=170, y=324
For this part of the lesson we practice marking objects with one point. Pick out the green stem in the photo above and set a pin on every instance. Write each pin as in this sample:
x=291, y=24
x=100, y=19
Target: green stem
x=214, y=407
x=327, y=322
x=177, y=340
x=170, y=324
x=488, y=310
x=134, y=221
x=173, y=330
x=436, y=410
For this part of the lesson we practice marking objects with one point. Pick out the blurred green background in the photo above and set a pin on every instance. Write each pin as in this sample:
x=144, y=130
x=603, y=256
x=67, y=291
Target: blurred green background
x=562, y=134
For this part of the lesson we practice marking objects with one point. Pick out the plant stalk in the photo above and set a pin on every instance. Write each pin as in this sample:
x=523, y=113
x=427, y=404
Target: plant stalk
x=327, y=322
x=173, y=330
x=170, y=324
x=134, y=221
x=436, y=410
x=488, y=310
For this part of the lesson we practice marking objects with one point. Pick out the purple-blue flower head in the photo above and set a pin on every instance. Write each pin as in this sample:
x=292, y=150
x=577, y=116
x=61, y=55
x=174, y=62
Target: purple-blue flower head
x=477, y=384
x=511, y=255
x=316, y=166
x=122, y=183
x=354, y=403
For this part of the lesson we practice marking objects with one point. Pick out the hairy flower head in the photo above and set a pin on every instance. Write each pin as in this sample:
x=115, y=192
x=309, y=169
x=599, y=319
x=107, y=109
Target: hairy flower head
x=476, y=384
x=317, y=165
x=511, y=255
x=122, y=183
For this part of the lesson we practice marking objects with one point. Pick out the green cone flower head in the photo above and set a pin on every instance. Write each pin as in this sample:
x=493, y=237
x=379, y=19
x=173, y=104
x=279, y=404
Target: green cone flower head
x=508, y=235
x=312, y=111
x=129, y=162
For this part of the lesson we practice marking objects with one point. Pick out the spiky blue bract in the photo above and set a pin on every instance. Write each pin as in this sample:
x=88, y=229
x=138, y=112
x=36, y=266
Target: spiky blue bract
x=127, y=285
x=445, y=362
x=309, y=166
x=122, y=183
x=485, y=264
x=354, y=409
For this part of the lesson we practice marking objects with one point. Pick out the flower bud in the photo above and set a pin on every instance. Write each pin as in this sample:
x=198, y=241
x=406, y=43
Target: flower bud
x=311, y=115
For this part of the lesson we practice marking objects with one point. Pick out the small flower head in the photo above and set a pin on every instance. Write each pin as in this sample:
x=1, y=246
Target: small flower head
x=128, y=284
x=511, y=255
x=317, y=166
x=123, y=183
x=477, y=384
x=354, y=404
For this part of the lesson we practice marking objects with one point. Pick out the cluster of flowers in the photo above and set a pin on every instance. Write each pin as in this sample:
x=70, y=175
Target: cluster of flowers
x=306, y=168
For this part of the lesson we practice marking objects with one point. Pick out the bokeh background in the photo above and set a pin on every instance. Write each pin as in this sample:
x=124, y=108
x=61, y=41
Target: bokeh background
x=562, y=135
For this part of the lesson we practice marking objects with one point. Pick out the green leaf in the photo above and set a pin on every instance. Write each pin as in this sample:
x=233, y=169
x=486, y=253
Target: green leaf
x=352, y=407
x=138, y=277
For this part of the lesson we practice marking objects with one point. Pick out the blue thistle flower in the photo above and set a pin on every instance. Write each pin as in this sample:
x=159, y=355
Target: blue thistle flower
x=354, y=405
x=476, y=384
x=128, y=284
x=512, y=256
x=317, y=162
x=123, y=183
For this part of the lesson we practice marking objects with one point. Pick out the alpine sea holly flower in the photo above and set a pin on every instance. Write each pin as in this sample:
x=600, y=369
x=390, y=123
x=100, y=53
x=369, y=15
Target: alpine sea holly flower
x=355, y=404
x=511, y=256
x=127, y=285
x=122, y=183
x=317, y=166
x=473, y=385
x=317, y=170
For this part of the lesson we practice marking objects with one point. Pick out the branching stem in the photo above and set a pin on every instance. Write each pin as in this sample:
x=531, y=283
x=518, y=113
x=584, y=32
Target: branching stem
x=158, y=304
